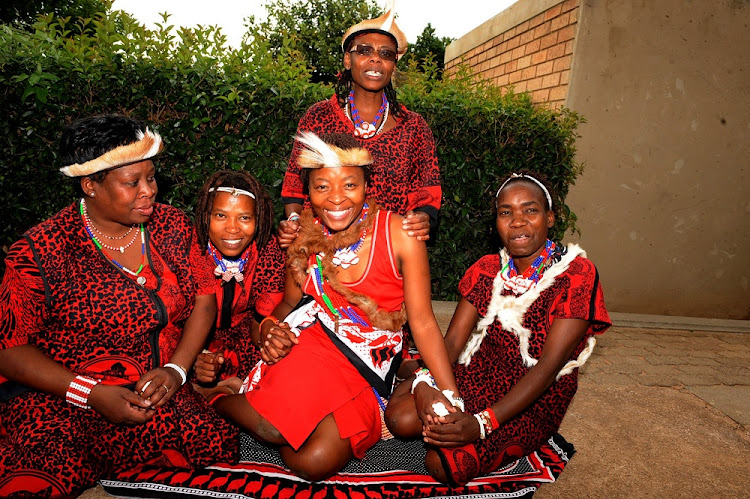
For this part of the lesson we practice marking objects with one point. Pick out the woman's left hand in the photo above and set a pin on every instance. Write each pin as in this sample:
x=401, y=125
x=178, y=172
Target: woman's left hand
x=454, y=430
x=425, y=397
x=158, y=385
x=417, y=224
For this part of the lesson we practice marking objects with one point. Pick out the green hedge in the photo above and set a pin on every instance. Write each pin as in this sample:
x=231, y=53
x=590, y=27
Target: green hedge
x=226, y=108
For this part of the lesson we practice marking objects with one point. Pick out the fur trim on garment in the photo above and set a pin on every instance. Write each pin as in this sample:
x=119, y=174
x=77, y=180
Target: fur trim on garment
x=312, y=241
x=510, y=310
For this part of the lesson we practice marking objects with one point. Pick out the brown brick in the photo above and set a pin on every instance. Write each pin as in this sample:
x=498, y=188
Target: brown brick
x=534, y=84
x=565, y=77
x=573, y=16
x=505, y=57
x=567, y=33
x=532, y=46
x=520, y=86
x=497, y=40
x=502, y=81
x=536, y=20
x=551, y=80
x=513, y=43
x=526, y=37
x=485, y=66
x=497, y=71
x=503, y=47
x=545, y=68
x=549, y=40
x=569, y=47
x=524, y=62
x=569, y=4
x=529, y=73
x=511, y=66
x=518, y=53
x=509, y=34
x=562, y=63
x=491, y=53
x=515, y=76
x=472, y=52
x=524, y=26
x=482, y=57
x=559, y=22
x=539, y=57
x=558, y=93
x=473, y=61
x=494, y=62
x=553, y=12
x=556, y=51
x=540, y=95
x=543, y=29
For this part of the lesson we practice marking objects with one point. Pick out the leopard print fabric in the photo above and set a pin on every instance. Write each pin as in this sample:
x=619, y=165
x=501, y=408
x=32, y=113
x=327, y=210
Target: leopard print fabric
x=65, y=298
x=497, y=366
x=257, y=295
x=405, y=173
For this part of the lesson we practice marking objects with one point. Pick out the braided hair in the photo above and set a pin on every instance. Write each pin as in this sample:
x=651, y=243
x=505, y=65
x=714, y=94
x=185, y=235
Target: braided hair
x=240, y=180
x=344, y=86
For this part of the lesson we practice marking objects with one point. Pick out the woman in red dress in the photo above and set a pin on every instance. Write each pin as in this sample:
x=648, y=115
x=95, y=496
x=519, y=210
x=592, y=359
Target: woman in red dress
x=353, y=278
x=234, y=222
x=535, y=307
x=103, y=309
x=405, y=174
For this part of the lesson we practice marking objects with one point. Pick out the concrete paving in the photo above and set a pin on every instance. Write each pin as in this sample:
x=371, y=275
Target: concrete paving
x=662, y=410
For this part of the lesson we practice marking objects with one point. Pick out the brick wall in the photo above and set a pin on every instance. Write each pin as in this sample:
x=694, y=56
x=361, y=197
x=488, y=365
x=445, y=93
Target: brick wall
x=533, y=56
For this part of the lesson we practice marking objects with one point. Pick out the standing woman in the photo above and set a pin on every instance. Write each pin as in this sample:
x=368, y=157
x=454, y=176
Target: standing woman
x=536, y=307
x=234, y=221
x=405, y=173
x=103, y=309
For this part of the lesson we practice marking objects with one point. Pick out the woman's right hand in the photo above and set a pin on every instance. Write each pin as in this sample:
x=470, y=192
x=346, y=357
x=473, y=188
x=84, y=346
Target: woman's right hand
x=287, y=232
x=278, y=342
x=207, y=366
x=424, y=398
x=119, y=405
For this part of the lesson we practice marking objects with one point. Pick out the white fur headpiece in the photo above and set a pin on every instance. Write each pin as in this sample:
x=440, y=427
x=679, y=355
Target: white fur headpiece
x=318, y=154
x=147, y=146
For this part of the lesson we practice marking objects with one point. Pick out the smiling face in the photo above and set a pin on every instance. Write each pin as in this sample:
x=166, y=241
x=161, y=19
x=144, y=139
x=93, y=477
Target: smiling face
x=371, y=72
x=337, y=195
x=125, y=196
x=523, y=221
x=232, y=223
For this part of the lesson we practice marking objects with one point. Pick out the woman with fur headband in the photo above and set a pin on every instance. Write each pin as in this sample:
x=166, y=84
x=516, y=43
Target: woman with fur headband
x=353, y=279
x=536, y=307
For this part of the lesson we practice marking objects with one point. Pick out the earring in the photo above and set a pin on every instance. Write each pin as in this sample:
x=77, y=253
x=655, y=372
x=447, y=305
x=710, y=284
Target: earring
x=92, y=194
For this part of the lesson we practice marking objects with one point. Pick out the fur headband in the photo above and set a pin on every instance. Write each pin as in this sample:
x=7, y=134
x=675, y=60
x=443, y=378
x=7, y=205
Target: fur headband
x=147, y=146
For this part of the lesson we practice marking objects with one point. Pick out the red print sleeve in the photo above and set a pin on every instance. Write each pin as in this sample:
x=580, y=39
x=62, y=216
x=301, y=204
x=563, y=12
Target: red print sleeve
x=268, y=285
x=427, y=193
x=22, y=297
x=203, y=271
x=584, y=298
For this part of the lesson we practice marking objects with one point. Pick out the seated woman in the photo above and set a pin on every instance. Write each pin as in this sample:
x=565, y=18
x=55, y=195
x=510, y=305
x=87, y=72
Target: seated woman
x=103, y=308
x=234, y=222
x=536, y=306
x=353, y=279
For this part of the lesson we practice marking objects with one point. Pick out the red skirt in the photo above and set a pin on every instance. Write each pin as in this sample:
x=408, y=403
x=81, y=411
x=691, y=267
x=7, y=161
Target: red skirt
x=314, y=380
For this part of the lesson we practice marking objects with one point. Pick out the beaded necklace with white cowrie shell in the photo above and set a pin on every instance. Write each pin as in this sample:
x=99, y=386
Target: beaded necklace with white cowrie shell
x=363, y=129
x=93, y=228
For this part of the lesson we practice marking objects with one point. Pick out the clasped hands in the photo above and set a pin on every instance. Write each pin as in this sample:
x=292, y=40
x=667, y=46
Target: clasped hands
x=456, y=429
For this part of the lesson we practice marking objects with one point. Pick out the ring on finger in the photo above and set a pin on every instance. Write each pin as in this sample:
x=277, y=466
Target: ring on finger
x=166, y=388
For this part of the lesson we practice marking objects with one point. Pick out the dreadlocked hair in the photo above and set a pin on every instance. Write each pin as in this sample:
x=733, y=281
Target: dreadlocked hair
x=344, y=86
x=240, y=180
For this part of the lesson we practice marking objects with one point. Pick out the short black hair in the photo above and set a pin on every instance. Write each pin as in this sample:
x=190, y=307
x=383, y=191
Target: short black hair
x=518, y=176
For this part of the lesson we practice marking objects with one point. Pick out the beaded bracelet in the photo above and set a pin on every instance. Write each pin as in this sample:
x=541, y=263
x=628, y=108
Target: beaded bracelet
x=269, y=318
x=79, y=390
x=490, y=415
x=180, y=371
x=423, y=376
x=482, y=430
x=292, y=217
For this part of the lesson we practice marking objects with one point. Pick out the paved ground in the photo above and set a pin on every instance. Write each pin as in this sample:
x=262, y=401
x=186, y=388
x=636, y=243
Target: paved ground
x=660, y=412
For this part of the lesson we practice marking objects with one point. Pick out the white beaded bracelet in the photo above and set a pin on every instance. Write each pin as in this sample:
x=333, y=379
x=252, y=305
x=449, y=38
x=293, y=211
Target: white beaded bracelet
x=180, y=371
x=482, y=431
x=423, y=378
x=79, y=390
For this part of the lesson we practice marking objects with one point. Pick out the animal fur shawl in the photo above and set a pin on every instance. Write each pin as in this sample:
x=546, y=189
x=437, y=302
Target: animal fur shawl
x=312, y=241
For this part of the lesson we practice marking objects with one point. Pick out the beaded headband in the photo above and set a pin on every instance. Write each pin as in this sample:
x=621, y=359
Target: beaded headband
x=318, y=154
x=384, y=24
x=514, y=176
x=233, y=191
x=147, y=146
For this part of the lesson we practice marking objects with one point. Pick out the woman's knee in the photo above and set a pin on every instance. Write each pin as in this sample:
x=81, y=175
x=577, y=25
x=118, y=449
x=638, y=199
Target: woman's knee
x=435, y=466
x=402, y=420
x=316, y=462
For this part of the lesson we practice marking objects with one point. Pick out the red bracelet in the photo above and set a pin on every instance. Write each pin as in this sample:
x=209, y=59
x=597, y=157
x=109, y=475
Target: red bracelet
x=79, y=390
x=493, y=419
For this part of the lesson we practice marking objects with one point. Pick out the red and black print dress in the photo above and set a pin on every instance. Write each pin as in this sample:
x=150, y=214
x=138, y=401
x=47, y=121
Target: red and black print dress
x=261, y=289
x=498, y=364
x=60, y=294
x=405, y=173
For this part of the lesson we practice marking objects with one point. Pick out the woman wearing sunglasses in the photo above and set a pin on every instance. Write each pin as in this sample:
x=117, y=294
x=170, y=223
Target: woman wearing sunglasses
x=405, y=176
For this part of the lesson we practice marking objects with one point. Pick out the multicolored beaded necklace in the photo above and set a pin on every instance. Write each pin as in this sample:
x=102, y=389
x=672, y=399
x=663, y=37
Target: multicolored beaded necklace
x=519, y=284
x=88, y=226
x=91, y=225
x=363, y=129
x=345, y=257
x=341, y=307
x=226, y=268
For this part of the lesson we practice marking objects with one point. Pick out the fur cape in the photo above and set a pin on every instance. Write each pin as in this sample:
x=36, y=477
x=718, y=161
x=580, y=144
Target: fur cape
x=311, y=241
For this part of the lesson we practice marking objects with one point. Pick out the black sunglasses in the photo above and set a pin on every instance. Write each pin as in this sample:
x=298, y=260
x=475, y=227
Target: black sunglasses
x=367, y=51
